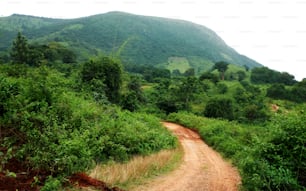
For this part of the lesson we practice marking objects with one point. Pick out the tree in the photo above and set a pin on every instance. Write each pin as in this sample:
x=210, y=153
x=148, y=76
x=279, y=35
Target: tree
x=220, y=108
x=221, y=67
x=7, y=92
x=4, y=57
x=20, y=50
x=241, y=75
x=134, y=96
x=190, y=72
x=129, y=101
x=222, y=88
x=286, y=78
x=187, y=89
x=246, y=68
x=266, y=75
x=299, y=92
x=176, y=72
x=209, y=76
x=68, y=56
x=106, y=70
x=165, y=96
x=278, y=91
x=35, y=55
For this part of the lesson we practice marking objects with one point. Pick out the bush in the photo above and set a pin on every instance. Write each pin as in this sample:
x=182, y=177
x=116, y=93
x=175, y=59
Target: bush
x=220, y=108
x=53, y=129
x=278, y=91
x=269, y=158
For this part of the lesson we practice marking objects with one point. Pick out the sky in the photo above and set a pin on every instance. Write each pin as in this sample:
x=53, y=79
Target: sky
x=272, y=32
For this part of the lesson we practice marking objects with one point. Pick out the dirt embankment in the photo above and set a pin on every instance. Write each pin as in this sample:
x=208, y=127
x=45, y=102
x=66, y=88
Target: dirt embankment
x=203, y=169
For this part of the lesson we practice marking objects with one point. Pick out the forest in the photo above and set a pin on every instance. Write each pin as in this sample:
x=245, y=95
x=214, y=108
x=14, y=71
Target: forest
x=60, y=116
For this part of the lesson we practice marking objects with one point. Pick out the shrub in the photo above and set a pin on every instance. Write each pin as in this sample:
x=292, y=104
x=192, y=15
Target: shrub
x=220, y=108
x=53, y=129
x=269, y=158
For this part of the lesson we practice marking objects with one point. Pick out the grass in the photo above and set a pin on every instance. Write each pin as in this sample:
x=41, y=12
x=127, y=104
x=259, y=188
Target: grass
x=139, y=169
x=200, y=64
x=179, y=63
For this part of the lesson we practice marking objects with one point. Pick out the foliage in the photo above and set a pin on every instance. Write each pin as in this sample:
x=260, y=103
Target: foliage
x=209, y=76
x=241, y=75
x=8, y=91
x=51, y=127
x=221, y=67
x=189, y=72
x=250, y=102
x=149, y=73
x=20, y=50
x=269, y=158
x=278, y=91
x=132, y=99
x=136, y=39
x=266, y=75
x=107, y=71
x=187, y=89
x=35, y=55
x=222, y=88
x=298, y=92
x=220, y=108
x=54, y=51
x=56, y=116
x=165, y=97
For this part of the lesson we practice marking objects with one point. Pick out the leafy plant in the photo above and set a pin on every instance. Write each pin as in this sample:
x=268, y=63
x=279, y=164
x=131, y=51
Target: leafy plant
x=269, y=158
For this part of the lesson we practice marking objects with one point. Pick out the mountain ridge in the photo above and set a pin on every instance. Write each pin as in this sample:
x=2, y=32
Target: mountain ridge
x=133, y=38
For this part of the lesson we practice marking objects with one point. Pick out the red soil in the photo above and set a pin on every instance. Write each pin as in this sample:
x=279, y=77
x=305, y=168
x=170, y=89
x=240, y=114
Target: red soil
x=83, y=180
x=24, y=180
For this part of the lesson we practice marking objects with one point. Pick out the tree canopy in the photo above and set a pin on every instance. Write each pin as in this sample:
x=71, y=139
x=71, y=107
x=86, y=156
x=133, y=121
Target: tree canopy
x=265, y=75
x=221, y=67
x=20, y=50
x=107, y=71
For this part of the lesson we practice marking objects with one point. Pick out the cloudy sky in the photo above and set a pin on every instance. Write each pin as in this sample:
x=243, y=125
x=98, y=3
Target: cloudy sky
x=272, y=32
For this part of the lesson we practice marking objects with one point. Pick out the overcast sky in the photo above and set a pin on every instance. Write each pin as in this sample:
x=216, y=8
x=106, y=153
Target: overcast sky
x=272, y=32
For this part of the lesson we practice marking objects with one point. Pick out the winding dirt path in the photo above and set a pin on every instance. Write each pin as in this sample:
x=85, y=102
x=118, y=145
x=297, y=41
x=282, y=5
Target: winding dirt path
x=202, y=169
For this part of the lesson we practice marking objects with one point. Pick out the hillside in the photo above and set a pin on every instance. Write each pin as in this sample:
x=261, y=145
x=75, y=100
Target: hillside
x=135, y=39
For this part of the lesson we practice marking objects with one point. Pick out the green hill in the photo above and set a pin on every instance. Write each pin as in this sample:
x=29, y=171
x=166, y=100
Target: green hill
x=135, y=39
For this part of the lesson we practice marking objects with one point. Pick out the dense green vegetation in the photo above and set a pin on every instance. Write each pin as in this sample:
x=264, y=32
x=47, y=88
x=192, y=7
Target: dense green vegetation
x=266, y=75
x=47, y=122
x=63, y=123
x=269, y=156
x=170, y=44
x=59, y=115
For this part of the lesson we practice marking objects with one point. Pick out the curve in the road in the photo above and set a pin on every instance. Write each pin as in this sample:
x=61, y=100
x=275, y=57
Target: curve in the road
x=202, y=169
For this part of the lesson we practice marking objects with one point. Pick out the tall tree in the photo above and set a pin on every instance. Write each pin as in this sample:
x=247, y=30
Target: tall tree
x=134, y=96
x=107, y=71
x=187, y=89
x=221, y=67
x=20, y=50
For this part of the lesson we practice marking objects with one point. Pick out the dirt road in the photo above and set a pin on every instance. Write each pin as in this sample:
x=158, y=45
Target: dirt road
x=203, y=169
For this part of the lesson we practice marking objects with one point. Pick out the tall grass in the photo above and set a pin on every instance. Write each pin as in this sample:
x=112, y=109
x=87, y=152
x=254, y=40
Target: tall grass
x=138, y=169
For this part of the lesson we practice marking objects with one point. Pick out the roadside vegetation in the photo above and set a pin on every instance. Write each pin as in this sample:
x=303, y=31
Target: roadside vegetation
x=59, y=116
x=60, y=123
x=139, y=169
x=269, y=156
